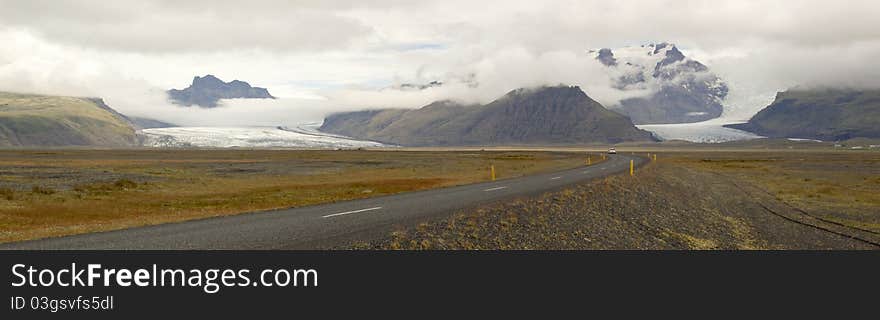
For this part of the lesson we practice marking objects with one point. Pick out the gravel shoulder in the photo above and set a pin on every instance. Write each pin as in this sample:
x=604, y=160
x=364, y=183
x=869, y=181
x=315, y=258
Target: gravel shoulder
x=665, y=206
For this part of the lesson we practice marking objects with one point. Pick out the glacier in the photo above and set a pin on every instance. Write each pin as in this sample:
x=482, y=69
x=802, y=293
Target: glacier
x=711, y=131
x=300, y=136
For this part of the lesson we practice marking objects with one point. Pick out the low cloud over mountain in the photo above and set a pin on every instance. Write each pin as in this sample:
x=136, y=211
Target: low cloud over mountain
x=681, y=89
x=545, y=115
x=341, y=53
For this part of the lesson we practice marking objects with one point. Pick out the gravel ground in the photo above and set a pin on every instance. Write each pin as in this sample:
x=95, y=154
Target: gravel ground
x=663, y=207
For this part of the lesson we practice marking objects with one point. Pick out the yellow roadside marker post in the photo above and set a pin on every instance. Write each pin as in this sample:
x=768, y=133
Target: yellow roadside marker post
x=655, y=157
x=631, y=167
x=589, y=160
x=492, y=171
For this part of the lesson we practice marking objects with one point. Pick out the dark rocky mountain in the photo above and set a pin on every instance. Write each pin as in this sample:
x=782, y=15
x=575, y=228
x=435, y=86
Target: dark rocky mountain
x=208, y=90
x=416, y=86
x=547, y=116
x=29, y=120
x=606, y=57
x=686, y=91
x=823, y=114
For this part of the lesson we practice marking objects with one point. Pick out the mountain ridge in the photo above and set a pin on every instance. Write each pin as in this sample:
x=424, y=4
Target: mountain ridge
x=31, y=120
x=207, y=91
x=822, y=114
x=547, y=115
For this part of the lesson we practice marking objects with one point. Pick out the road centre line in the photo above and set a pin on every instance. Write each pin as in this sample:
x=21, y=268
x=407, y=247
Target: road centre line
x=350, y=212
x=554, y=178
x=496, y=188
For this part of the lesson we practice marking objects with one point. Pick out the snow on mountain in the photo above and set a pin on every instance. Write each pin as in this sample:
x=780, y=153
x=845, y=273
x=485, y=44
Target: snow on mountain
x=303, y=136
x=683, y=90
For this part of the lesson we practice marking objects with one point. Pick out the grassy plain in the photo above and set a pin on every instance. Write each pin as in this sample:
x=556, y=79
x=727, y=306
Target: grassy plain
x=45, y=193
x=843, y=187
x=765, y=195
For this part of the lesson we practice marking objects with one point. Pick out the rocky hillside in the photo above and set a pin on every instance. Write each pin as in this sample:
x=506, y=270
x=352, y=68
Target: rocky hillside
x=547, y=116
x=28, y=120
x=684, y=90
x=826, y=114
x=208, y=90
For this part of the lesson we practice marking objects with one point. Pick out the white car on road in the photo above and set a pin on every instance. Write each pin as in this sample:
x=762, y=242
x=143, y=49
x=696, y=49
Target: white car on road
x=612, y=151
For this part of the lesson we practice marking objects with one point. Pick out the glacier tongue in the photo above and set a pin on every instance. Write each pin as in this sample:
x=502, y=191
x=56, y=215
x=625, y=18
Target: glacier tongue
x=249, y=137
x=711, y=131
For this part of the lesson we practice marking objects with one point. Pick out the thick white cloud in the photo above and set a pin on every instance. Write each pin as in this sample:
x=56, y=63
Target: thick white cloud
x=175, y=26
x=344, y=51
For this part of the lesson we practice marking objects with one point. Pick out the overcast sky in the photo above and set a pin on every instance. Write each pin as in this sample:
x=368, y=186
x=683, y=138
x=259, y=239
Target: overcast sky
x=323, y=56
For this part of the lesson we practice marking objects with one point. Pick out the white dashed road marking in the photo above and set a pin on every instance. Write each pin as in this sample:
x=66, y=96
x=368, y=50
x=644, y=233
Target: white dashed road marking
x=554, y=178
x=350, y=212
x=497, y=188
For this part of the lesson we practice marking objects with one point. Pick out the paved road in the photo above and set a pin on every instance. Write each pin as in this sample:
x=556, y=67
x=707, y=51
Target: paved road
x=327, y=224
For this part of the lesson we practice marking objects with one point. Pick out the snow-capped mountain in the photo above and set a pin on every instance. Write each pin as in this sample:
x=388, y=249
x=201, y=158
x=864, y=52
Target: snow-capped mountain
x=679, y=89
